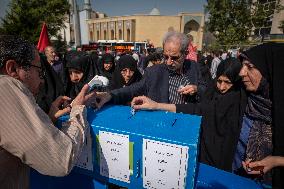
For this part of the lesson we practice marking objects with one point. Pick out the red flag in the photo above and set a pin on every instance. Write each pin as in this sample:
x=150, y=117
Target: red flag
x=192, y=52
x=43, y=39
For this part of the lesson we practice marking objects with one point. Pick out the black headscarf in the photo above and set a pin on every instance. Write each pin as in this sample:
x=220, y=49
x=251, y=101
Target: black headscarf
x=52, y=87
x=269, y=60
x=82, y=62
x=222, y=118
x=125, y=61
x=107, y=58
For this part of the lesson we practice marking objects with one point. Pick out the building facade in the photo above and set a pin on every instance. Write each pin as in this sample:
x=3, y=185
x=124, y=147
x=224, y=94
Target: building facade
x=150, y=28
x=272, y=26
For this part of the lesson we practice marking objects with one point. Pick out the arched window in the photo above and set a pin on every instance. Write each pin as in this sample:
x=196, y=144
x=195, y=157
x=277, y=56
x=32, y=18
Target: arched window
x=192, y=28
x=111, y=34
x=98, y=35
x=120, y=34
x=105, y=35
x=91, y=36
x=128, y=34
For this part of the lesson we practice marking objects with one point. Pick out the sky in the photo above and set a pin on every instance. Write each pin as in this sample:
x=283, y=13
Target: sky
x=130, y=7
x=3, y=7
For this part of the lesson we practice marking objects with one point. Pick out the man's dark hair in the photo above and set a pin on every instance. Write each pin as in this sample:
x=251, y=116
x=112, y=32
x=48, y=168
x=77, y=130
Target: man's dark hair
x=17, y=49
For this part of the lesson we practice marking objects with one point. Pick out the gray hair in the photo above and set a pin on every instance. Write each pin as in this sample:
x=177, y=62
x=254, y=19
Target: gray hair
x=177, y=37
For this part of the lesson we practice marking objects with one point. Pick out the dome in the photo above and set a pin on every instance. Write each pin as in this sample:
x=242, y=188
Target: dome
x=155, y=11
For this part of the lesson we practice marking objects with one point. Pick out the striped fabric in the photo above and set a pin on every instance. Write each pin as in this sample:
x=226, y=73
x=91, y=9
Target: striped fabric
x=28, y=138
x=175, y=81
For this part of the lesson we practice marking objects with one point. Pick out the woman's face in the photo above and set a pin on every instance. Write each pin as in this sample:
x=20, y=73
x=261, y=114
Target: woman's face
x=75, y=75
x=107, y=66
x=127, y=74
x=223, y=84
x=250, y=75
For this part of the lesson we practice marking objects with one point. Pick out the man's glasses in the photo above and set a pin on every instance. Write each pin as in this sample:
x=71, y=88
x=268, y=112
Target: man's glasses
x=173, y=58
x=41, y=71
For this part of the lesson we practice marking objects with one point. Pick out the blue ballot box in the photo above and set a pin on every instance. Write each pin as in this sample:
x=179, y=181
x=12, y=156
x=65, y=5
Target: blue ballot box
x=151, y=149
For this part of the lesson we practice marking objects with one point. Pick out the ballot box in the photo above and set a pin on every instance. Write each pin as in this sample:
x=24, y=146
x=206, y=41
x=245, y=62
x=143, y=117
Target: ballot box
x=150, y=149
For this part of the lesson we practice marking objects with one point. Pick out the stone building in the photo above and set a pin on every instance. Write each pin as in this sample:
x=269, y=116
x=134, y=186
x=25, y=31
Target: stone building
x=150, y=28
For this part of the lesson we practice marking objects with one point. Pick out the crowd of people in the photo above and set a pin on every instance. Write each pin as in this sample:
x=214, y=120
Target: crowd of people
x=238, y=96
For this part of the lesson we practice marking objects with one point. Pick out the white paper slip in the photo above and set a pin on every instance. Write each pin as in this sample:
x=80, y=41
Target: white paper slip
x=114, y=156
x=164, y=165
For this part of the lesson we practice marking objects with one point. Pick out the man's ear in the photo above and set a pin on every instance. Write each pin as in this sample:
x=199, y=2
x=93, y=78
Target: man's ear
x=11, y=68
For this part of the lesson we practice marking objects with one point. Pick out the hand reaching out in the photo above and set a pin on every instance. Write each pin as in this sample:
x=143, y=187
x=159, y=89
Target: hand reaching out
x=103, y=98
x=143, y=102
x=55, y=110
x=188, y=90
x=264, y=165
x=85, y=97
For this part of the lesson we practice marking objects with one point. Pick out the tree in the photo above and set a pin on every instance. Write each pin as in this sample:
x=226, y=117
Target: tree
x=234, y=21
x=25, y=17
x=282, y=26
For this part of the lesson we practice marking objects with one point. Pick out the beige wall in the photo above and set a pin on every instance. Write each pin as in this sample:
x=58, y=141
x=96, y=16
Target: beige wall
x=154, y=28
x=145, y=27
x=277, y=18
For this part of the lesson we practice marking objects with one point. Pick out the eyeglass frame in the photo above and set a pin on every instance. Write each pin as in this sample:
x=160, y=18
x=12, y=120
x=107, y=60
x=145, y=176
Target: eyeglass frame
x=41, y=71
x=173, y=58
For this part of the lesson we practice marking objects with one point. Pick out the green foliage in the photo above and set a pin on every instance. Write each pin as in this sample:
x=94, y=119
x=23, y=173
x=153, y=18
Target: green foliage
x=25, y=17
x=60, y=45
x=282, y=26
x=233, y=21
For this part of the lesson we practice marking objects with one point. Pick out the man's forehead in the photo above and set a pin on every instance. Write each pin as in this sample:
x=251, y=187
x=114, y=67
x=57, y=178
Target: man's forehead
x=171, y=49
x=50, y=49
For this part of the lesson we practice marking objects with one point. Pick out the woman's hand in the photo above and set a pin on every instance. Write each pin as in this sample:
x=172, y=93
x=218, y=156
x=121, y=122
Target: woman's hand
x=264, y=165
x=143, y=102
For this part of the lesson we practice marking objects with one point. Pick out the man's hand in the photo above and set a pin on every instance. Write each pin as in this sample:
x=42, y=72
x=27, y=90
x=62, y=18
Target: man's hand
x=55, y=112
x=102, y=97
x=84, y=97
x=143, y=102
x=188, y=90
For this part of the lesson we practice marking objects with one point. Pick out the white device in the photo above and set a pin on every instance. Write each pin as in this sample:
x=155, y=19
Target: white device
x=98, y=82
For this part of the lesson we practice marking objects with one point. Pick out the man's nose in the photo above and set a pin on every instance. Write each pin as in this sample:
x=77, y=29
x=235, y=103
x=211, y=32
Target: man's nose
x=169, y=61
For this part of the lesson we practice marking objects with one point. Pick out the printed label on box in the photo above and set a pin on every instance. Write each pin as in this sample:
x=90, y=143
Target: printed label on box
x=114, y=156
x=164, y=165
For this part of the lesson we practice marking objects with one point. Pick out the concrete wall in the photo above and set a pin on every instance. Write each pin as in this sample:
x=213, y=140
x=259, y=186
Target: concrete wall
x=144, y=27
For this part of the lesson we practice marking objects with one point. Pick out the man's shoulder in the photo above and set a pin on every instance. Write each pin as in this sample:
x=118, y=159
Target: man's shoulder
x=189, y=64
x=8, y=79
x=157, y=67
x=8, y=82
x=57, y=62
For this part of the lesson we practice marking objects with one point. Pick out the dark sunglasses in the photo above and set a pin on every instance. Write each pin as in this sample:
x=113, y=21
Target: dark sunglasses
x=173, y=58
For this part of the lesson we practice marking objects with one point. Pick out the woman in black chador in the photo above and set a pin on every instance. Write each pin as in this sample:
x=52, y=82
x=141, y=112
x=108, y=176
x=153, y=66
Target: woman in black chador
x=80, y=71
x=107, y=66
x=222, y=111
x=126, y=73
